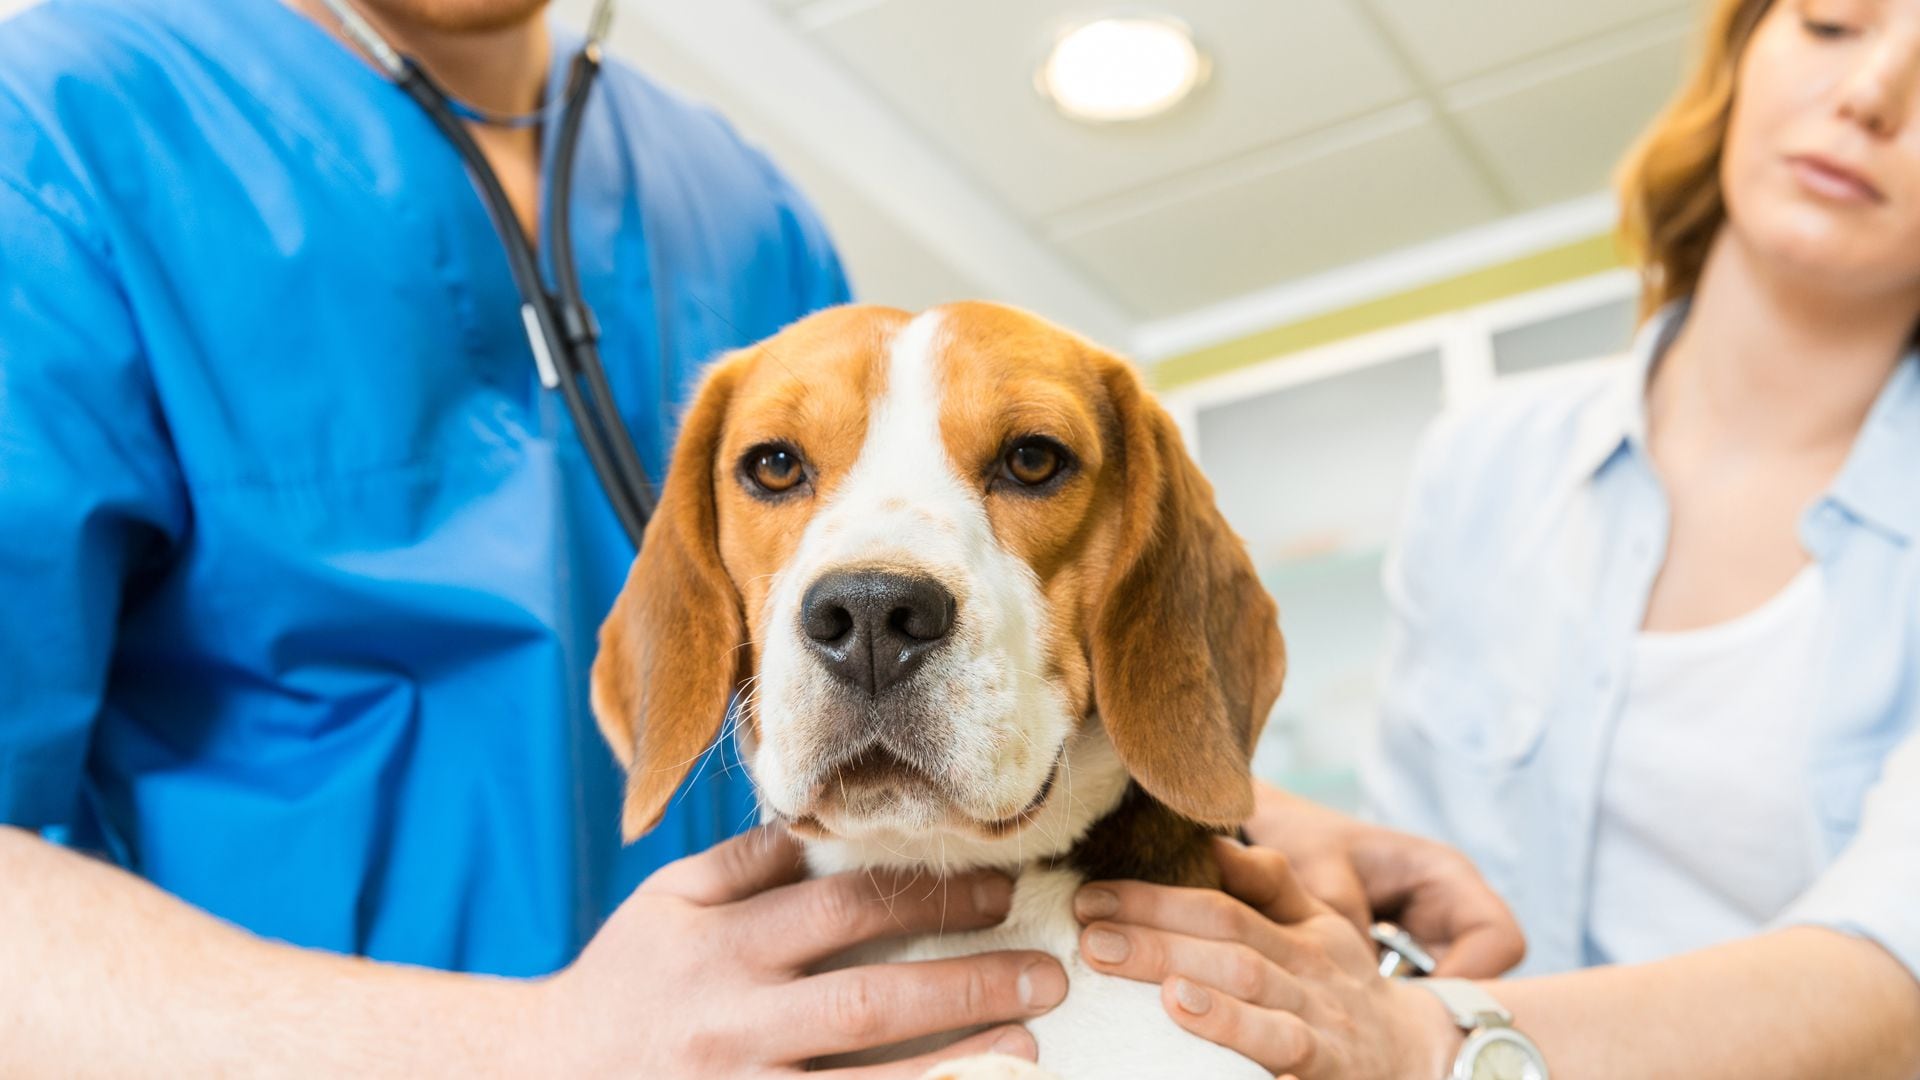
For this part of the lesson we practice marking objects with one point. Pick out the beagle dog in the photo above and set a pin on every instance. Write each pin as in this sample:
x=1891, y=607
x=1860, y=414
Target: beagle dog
x=972, y=605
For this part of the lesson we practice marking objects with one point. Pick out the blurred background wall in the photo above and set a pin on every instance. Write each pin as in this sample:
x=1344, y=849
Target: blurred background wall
x=1367, y=210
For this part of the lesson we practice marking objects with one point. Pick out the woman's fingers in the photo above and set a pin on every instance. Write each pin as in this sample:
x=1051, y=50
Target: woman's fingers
x=1280, y=1041
x=1440, y=897
x=1331, y=878
x=1464, y=923
x=1263, y=878
x=1483, y=952
x=1149, y=955
x=1261, y=896
x=1205, y=913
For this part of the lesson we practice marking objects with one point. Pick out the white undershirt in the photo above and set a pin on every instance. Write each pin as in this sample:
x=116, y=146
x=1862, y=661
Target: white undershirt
x=1705, y=819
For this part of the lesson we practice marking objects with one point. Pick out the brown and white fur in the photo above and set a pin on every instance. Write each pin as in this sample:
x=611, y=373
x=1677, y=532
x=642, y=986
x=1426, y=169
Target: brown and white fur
x=1089, y=712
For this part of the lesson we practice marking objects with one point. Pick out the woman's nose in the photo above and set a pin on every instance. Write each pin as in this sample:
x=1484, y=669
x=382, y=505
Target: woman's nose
x=1878, y=95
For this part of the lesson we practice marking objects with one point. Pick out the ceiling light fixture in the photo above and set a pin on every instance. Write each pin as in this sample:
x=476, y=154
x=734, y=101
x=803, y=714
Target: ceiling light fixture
x=1122, y=68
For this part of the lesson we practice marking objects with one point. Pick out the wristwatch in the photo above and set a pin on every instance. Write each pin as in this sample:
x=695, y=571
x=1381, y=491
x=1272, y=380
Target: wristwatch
x=1493, y=1050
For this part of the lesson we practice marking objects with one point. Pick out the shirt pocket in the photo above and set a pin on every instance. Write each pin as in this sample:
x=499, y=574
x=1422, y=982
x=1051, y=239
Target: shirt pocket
x=1463, y=740
x=1479, y=704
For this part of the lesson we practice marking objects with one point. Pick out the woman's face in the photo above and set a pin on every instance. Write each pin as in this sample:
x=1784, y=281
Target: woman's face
x=1822, y=163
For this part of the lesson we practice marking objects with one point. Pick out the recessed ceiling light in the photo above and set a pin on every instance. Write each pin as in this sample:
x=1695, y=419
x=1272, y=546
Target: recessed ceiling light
x=1122, y=68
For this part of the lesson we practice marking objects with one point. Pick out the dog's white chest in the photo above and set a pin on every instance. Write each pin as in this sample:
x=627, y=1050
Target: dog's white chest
x=1108, y=1028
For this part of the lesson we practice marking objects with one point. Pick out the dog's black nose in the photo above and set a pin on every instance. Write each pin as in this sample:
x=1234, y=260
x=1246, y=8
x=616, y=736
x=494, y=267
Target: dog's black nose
x=872, y=628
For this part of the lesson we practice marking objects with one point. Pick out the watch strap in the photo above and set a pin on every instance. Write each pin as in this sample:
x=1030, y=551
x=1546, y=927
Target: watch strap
x=1471, y=1007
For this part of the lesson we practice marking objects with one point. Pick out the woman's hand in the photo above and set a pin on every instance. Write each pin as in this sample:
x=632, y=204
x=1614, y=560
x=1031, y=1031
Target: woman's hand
x=1366, y=872
x=1287, y=981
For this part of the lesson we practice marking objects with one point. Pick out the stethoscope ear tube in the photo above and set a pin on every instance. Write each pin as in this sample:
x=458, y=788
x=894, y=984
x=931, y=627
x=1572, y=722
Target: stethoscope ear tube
x=562, y=332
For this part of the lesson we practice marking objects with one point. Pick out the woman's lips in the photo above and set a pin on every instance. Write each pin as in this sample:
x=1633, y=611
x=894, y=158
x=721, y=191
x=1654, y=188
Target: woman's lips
x=1833, y=181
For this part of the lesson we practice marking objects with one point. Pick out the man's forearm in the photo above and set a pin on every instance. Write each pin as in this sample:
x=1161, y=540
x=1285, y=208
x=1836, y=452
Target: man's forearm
x=1791, y=1005
x=103, y=974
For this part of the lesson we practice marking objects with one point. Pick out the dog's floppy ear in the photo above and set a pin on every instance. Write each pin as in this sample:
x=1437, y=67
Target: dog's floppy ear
x=1186, y=647
x=670, y=651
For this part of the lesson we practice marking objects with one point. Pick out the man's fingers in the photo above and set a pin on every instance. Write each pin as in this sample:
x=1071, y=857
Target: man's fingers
x=860, y=1008
x=1014, y=1042
x=1266, y=881
x=750, y=863
x=1154, y=956
x=1279, y=1041
x=800, y=925
x=1483, y=953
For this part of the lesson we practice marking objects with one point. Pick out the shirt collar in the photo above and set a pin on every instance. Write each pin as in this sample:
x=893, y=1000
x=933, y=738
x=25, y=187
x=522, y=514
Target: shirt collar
x=1877, y=484
x=1616, y=418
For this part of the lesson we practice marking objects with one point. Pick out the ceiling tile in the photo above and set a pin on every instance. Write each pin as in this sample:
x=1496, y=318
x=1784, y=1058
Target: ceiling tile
x=963, y=73
x=1395, y=188
x=887, y=265
x=1558, y=134
x=1454, y=39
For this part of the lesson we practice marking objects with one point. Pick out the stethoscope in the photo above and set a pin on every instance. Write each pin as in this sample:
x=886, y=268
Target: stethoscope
x=560, y=326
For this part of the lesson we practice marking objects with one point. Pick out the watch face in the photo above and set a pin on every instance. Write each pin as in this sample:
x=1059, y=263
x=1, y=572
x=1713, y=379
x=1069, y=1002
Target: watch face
x=1503, y=1054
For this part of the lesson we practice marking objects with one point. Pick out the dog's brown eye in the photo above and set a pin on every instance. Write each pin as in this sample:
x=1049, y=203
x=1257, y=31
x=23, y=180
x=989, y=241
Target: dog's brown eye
x=1033, y=462
x=774, y=469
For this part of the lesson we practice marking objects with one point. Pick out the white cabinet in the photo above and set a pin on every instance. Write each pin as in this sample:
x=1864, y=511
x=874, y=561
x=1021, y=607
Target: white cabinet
x=1309, y=456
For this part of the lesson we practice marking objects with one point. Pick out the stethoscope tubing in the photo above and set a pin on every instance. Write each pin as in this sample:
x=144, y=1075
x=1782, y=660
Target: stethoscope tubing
x=560, y=326
x=581, y=328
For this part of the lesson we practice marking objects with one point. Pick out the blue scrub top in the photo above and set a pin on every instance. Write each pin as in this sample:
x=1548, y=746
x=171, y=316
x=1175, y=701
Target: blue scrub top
x=302, y=569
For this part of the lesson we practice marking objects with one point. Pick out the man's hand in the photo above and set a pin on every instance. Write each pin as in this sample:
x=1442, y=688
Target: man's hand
x=1365, y=872
x=706, y=971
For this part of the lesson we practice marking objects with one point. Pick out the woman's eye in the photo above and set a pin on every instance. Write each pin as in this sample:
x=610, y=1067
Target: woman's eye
x=1832, y=20
x=774, y=469
x=1033, y=462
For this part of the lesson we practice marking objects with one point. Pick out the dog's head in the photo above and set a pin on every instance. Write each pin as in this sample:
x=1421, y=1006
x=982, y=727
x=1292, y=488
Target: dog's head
x=967, y=577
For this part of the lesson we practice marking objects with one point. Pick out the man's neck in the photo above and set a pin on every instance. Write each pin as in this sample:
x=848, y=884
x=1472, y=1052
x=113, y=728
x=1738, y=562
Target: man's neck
x=1775, y=363
x=502, y=69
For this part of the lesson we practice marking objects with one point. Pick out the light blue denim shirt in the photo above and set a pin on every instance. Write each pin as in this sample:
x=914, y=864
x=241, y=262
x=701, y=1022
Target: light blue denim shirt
x=1534, y=530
